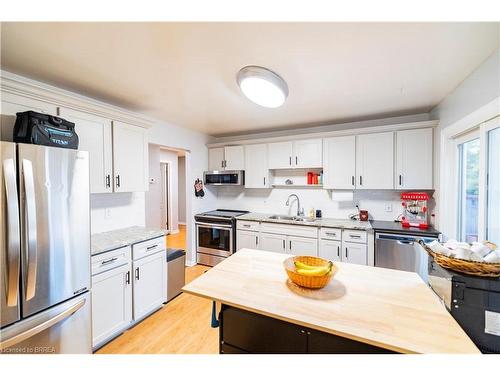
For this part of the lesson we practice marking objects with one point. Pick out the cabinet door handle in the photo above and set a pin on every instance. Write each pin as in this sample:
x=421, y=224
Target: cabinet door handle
x=108, y=261
x=333, y=234
x=352, y=181
x=296, y=160
x=137, y=274
x=151, y=247
x=290, y=245
x=290, y=160
x=354, y=236
x=346, y=254
x=360, y=180
x=283, y=244
x=264, y=181
x=338, y=252
x=400, y=180
x=127, y=277
x=108, y=181
x=246, y=225
x=256, y=241
x=118, y=181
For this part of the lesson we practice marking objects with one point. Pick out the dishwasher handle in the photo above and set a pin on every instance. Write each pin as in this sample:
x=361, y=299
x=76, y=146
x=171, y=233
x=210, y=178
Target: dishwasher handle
x=404, y=239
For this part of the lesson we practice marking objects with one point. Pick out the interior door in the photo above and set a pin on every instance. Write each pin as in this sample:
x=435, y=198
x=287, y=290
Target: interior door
x=273, y=242
x=94, y=134
x=375, y=161
x=130, y=158
x=111, y=303
x=9, y=236
x=303, y=246
x=150, y=282
x=56, y=233
x=339, y=158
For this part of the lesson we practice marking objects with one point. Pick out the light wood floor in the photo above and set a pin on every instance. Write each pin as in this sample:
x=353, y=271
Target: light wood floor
x=181, y=327
x=178, y=240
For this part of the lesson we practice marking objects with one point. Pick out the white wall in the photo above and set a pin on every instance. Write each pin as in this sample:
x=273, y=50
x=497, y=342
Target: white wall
x=116, y=210
x=182, y=189
x=333, y=204
x=481, y=87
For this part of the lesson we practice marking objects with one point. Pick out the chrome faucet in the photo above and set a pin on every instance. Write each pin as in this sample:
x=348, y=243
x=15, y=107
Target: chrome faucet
x=300, y=212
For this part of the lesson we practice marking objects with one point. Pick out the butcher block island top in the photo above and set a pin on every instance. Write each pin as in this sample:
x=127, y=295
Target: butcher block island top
x=386, y=308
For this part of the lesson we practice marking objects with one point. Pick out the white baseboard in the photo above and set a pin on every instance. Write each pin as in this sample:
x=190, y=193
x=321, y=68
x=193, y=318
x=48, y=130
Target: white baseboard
x=181, y=223
x=190, y=263
x=174, y=231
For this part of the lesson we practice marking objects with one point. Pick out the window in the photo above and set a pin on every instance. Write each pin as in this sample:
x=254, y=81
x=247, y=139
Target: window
x=493, y=186
x=468, y=196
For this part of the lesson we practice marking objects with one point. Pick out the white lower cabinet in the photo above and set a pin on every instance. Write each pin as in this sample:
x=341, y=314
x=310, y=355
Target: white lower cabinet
x=354, y=253
x=247, y=239
x=331, y=250
x=150, y=284
x=303, y=246
x=273, y=242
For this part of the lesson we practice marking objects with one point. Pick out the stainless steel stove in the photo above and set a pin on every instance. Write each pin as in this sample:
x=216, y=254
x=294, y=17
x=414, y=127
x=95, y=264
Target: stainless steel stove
x=215, y=235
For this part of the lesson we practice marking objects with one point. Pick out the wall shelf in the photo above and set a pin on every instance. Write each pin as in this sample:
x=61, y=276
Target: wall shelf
x=297, y=186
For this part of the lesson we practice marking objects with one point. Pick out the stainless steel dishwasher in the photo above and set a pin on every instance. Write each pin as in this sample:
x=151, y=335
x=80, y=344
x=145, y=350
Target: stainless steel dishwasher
x=402, y=252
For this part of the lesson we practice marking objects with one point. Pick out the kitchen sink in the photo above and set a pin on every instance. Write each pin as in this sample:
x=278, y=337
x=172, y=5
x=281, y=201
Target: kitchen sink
x=292, y=218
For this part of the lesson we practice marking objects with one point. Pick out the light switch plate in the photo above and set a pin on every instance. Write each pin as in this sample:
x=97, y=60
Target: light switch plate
x=388, y=207
x=107, y=213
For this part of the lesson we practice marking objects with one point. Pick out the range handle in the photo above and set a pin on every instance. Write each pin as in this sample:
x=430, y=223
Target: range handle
x=31, y=228
x=13, y=231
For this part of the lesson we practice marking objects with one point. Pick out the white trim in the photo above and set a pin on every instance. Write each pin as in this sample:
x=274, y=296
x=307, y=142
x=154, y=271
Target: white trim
x=175, y=231
x=166, y=173
x=326, y=134
x=28, y=88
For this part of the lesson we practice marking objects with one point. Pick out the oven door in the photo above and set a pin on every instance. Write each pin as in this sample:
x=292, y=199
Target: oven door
x=214, y=239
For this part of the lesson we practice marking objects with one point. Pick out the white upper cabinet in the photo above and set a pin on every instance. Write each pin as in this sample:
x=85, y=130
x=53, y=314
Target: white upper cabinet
x=11, y=104
x=280, y=155
x=256, y=170
x=375, y=161
x=94, y=134
x=307, y=153
x=234, y=158
x=216, y=159
x=229, y=158
x=130, y=158
x=414, y=150
x=339, y=162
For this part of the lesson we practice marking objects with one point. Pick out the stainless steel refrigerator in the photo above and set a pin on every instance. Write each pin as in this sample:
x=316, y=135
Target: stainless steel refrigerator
x=44, y=250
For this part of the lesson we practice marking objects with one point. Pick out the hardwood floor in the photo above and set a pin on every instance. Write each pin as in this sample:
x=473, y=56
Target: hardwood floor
x=178, y=240
x=180, y=327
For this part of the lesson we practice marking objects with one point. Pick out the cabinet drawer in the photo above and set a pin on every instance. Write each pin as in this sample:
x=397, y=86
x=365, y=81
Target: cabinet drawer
x=142, y=249
x=290, y=230
x=331, y=233
x=248, y=225
x=110, y=260
x=358, y=236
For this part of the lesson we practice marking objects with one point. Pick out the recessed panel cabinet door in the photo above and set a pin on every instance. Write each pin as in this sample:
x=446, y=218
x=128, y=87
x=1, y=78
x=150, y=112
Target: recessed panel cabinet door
x=256, y=170
x=303, y=246
x=354, y=253
x=339, y=162
x=216, y=159
x=307, y=153
x=111, y=303
x=280, y=155
x=130, y=157
x=414, y=159
x=273, y=242
x=375, y=161
x=150, y=281
x=94, y=134
x=331, y=250
x=234, y=157
x=247, y=240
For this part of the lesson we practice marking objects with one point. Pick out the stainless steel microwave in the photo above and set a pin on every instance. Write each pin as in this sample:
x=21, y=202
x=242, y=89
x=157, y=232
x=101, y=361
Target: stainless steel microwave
x=224, y=178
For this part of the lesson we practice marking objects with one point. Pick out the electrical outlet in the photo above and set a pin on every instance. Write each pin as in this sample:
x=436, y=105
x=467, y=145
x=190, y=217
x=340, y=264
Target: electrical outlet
x=388, y=207
x=107, y=213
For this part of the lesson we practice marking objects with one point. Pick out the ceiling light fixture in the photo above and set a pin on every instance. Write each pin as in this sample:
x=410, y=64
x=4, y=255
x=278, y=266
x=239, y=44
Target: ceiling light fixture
x=262, y=86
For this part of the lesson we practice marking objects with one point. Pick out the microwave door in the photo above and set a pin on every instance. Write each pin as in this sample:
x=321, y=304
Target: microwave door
x=55, y=236
x=9, y=236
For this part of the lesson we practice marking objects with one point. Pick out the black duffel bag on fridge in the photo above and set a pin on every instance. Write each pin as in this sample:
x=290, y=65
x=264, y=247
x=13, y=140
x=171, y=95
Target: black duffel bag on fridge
x=45, y=130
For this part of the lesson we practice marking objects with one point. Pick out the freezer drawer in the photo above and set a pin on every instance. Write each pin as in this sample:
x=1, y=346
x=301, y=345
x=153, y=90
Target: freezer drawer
x=65, y=328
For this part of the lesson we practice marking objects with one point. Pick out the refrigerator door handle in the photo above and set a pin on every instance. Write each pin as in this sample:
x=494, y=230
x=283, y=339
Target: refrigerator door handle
x=43, y=326
x=29, y=192
x=13, y=234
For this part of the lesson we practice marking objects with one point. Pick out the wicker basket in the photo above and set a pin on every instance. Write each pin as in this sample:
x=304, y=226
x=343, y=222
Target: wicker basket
x=468, y=267
x=311, y=282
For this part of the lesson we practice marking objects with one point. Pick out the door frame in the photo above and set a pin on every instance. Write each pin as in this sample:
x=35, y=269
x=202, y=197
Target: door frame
x=166, y=196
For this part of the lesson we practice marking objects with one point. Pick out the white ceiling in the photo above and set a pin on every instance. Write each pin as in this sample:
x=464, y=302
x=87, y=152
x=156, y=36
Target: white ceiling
x=184, y=73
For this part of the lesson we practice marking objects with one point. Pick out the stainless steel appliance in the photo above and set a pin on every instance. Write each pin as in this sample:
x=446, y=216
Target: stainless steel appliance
x=473, y=301
x=402, y=252
x=224, y=178
x=215, y=235
x=44, y=250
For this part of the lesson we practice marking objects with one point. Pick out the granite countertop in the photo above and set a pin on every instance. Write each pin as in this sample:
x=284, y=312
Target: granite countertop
x=321, y=222
x=395, y=227
x=105, y=241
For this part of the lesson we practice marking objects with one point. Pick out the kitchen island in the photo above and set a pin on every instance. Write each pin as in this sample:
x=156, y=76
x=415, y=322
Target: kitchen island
x=363, y=310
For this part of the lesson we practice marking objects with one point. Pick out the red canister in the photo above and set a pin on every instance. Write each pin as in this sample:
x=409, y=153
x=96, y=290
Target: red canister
x=309, y=178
